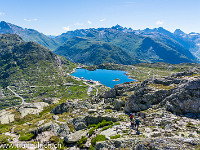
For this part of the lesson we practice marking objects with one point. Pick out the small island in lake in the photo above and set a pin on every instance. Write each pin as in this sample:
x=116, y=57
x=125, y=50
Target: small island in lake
x=116, y=79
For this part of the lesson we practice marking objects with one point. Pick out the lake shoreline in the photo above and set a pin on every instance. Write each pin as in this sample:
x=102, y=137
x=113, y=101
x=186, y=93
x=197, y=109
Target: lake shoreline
x=105, y=76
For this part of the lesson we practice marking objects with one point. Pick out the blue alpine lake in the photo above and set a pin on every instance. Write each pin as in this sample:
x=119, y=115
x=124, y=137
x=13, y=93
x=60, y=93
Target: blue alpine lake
x=106, y=77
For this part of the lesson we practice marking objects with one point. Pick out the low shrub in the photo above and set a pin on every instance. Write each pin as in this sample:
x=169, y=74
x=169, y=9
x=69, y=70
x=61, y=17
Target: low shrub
x=26, y=136
x=71, y=127
x=117, y=123
x=91, y=147
x=5, y=128
x=108, y=110
x=92, y=125
x=54, y=139
x=115, y=136
x=189, y=124
x=107, y=127
x=82, y=141
x=99, y=125
x=97, y=139
x=91, y=131
x=4, y=139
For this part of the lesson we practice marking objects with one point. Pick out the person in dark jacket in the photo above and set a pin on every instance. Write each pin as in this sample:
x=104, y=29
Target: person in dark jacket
x=137, y=123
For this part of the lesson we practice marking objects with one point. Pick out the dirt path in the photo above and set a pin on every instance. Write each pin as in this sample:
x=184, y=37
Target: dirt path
x=16, y=95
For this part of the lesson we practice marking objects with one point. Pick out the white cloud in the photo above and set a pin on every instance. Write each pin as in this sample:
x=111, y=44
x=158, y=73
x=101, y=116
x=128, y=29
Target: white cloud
x=159, y=22
x=2, y=13
x=29, y=20
x=102, y=19
x=89, y=22
x=66, y=28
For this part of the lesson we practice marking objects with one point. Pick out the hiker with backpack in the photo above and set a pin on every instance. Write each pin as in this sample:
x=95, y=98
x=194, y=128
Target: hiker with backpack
x=137, y=123
x=131, y=116
x=133, y=125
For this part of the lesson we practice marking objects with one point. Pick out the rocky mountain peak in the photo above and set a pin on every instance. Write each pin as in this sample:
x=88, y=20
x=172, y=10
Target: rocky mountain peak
x=179, y=32
x=118, y=27
x=4, y=25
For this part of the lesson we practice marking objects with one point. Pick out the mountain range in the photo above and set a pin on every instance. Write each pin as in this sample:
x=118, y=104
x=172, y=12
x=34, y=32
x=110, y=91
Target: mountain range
x=123, y=46
x=141, y=46
x=28, y=35
x=28, y=63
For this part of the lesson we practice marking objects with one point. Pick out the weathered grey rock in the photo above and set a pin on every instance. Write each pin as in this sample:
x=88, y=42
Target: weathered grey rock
x=75, y=137
x=102, y=145
x=51, y=100
x=141, y=147
x=97, y=119
x=118, y=104
x=55, y=117
x=185, y=73
x=54, y=127
x=42, y=128
x=47, y=126
x=79, y=123
x=81, y=105
x=143, y=98
x=108, y=107
x=64, y=130
x=109, y=132
x=6, y=117
x=117, y=143
x=64, y=107
x=39, y=123
x=185, y=99
x=90, y=111
x=120, y=90
x=156, y=134
x=32, y=108
x=80, y=126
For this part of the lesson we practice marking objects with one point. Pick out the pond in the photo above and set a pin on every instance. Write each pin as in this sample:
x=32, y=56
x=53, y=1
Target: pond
x=107, y=77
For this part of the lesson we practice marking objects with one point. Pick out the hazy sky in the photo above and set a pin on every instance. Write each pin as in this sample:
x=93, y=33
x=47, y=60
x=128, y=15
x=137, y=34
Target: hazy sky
x=53, y=17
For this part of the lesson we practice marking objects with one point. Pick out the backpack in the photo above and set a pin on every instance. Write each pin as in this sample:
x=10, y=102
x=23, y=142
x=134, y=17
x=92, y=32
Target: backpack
x=137, y=121
x=131, y=116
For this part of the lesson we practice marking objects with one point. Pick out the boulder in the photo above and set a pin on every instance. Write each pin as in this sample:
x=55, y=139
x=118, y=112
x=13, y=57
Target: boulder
x=60, y=109
x=117, y=143
x=51, y=100
x=31, y=108
x=185, y=99
x=107, y=106
x=79, y=123
x=96, y=119
x=47, y=126
x=6, y=117
x=39, y=123
x=118, y=104
x=90, y=111
x=75, y=137
x=156, y=134
x=141, y=147
x=63, y=131
x=185, y=73
x=55, y=117
x=102, y=145
x=54, y=127
x=81, y=105
x=120, y=90
x=109, y=132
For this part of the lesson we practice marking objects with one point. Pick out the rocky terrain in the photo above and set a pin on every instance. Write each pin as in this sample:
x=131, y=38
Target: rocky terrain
x=168, y=108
